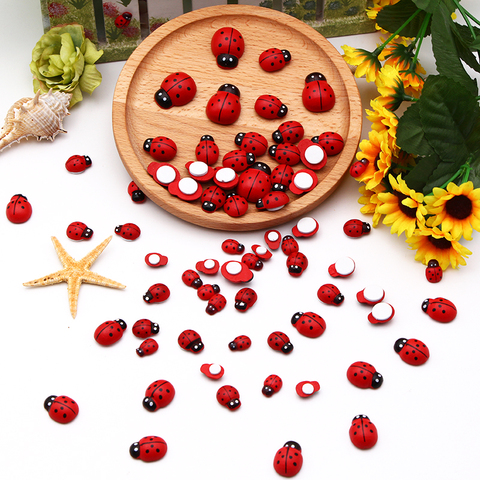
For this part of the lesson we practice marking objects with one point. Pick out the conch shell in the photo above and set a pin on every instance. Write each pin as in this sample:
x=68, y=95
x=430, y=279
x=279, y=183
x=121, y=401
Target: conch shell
x=40, y=116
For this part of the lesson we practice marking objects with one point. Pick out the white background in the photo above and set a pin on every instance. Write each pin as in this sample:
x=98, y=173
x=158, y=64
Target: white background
x=427, y=417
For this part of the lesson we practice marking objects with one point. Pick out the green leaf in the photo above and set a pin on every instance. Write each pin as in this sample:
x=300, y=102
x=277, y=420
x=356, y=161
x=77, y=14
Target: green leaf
x=418, y=177
x=463, y=41
x=430, y=5
x=410, y=134
x=442, y=174
x=392, y=17
x=476, y=43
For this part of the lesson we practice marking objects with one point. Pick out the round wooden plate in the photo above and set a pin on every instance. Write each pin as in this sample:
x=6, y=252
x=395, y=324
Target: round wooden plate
x=183, y=44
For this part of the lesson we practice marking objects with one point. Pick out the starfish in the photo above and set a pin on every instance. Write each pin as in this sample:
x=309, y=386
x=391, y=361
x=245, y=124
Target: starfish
x=75, y=273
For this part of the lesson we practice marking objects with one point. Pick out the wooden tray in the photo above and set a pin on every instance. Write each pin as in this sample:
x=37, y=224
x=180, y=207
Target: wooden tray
x=183, y=44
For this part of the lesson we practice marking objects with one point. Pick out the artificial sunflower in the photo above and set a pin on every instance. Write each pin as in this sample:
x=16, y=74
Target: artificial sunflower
x=390, y=86
x=371, y=202
x=367, y=63
x=456, y=208
x=382, y=118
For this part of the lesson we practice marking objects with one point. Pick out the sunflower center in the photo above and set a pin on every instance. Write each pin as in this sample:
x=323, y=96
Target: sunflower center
x=440, y=243
x=459, y=207
x=408, y=211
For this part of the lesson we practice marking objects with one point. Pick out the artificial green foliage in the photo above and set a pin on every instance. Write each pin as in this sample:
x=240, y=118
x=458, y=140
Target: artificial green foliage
x=392, y=17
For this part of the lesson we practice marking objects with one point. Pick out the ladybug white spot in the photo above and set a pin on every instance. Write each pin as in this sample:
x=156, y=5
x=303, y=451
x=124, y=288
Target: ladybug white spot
x=308, y=389
x=260, y=250
x=165, y=174
x=373, y=293
x=188, y=186
x=303, y=180
x=209, y=264
x=382, y=311
x=215, y=369
x=345, y=266
x=273, y=236
x=225, y=175
x=154, y=258
x=234, y=268
x=314, y=154
x=198, y=169
x=307, y=225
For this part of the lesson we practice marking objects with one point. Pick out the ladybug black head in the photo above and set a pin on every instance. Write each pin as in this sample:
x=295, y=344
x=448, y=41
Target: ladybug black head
x=279, y=187
x=377, y=380
x=433, y=263
x=148, y=297
x=272, y=150
x=229, y=88
x=121, y=323
x=399, y=344
x=283, y=111
x=138, y=196
x=216, y=288
x=287, y=348
x=88, y=160
x=292, y=444
x=196, y=346
x=87, y=233
x=315, y=139
x=233, y=404
x=208, y=206
x=286, y=55
x=135, y=450
x=296, y=317
x=295, y=269
x=366, y=228
x=239, y=138
x=48, y=402
x=149, y=404
x=338, y=299
x=127, y=16
x=277, y=137
x=242, y=306
x=227, y=61
x=267, y=391
x=425, y=304
x=147, y=144
x=262, y=167
x=163, y=100
x=232, y=346
x=155, y=328
x=315, y=76
x=206, y=137
x=357, y=417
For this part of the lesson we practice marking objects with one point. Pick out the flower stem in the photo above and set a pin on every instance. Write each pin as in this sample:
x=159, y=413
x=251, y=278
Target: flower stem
x=463, y=171
x=466, y=15
x=420, y=37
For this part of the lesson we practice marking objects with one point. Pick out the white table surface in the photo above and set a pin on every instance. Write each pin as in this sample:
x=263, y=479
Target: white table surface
x=427, y=417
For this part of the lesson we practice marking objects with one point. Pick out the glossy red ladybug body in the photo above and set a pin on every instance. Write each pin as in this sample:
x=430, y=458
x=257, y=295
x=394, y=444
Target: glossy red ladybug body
x=289, y=132
x=176, y=90
x=110, y=332
x=279, y=341
x=78, y=163
x=285, y=153
x=123, y=20
x=440, y=309
x=229, y=397
x=147, y=347
x=157, y=293
x=145, y=328
x=297, y=263
x=332, y=142
x=270, y=107
x=240, y=343
x=213, y=198
x=273, y=201
x=358, y=168
x=207, y=150
x=412, y=351
x=19, y=209
x=79, y=231
x=149, y=449
x=235, y=205
x=135, y=193
x=233, y=247
x=363, y=432
x=364, y=375
x=228, y=46
x=159, y=394
x=245, y=298
x=252, y=262
x=162, y=149
x=252, y=142
x=330, y=294
x=224, y=107
x=309, y=324
x=192, y=279
x=434, y=272
x=128, y=231
x=207, y=291
x=288, y=460
x=317, y=95
x=271, y=385
x=274, y=59
x=238, y=160
x=289, y=245
x=62, y=409
x=216, y=304
x=190, y=340
x=356, y=228
x=255, y=183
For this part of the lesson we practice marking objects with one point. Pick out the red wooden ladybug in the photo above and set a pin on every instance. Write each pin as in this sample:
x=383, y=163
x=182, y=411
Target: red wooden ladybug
x=157, y=293
x=297, y=263
x=358, y=168
x=212, y=370
x=289, y=245
x=233, y=247
x=279, y=341
x=207, y=291
x=238, y=160
x=433, y=272
x=213, y=198
x=255, y=183
x=245, y=298
x=19, y=209
x=252, y=262
x=356, y=228
x=62, y=409
x=235, y=205
x=176, y=90
x=288, y=132
x=252, y=142
x=364, y=375
x=332, y=142
x=224, y=107
x=135, y=193
x=216, y=304
x=128, y=231
x=145, y=328
x=440, y=309
x=191, y=279
x=307, y=388
x=412, y=351
x=162, y=149
x=155, y=260
x=229, y=397
x=79, y=231
x=271, y=385
x=207, y=150
x=285, y=153
x=312, y=155
x=110, y=332
x=228, y=46
x=309, y=324
x=240, y=343
x=363, y=432
x=317, y=95
x=209, y=266
x=147, y=347
x=282, y=175
x=288, y=460
x=123, y=20
x=330, y=294
x=270, y=107
x=78, y=163
x=159, y=394
x=273, y=201
x=149, y=449
x=190, y=340
x=272, y=239
x=274, y=59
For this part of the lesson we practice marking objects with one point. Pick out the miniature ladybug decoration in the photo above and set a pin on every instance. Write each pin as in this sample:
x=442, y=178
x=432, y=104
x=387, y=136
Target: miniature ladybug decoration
x=288, y=460
x=235, y=205
x=162, y=149
x=224, y=107
x=62, y=409
x=191, y=341
x=123, y=20
x=289, y=245
x=330, y=294
x=207, y=150
x=213, y=198
x=176, y=90
x=297, y=263
x=288, y=132
x=149, y=449
x=207, y=291
x=273, y=201
x=306, y=388
x=157, y=293
x=285, y=153
x=270, y=107
x=233, y=246
x=358, y=168
x=240, y=343
x=78, y=163
x=159, y=394
x=229, y=397
x=135, y=193
x=271, y=385
x=79, y=231
x=274, y=59
x=128, y=231
x=216, y=304
x=238, y=160
x=317, y=95
x=364, y=375
x=281, y=177
x=440, y=309
x=147, y=347
x=332, y=142
x=363, y=432
x=192, y=279
x=227, y=46
x=252, y=142
x=252, y=262
x=356, y=228
x=255, y=183
x=212, y=370
x=279, y=341
x=245, y=298
x=19, y=209
x=110, y=332
x=145, y=328
x=412, y=351
x=433, y=272
x=308, y=324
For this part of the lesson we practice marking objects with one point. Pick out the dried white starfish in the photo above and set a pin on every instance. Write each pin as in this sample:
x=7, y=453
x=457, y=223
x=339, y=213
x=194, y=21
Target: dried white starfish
x=75, y=273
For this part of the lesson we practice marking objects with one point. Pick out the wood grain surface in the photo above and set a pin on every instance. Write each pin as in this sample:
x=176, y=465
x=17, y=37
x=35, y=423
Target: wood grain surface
x=183, y=44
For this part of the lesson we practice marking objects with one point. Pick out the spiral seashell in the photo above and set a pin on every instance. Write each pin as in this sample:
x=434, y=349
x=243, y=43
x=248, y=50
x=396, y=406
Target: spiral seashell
x=40, y=116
